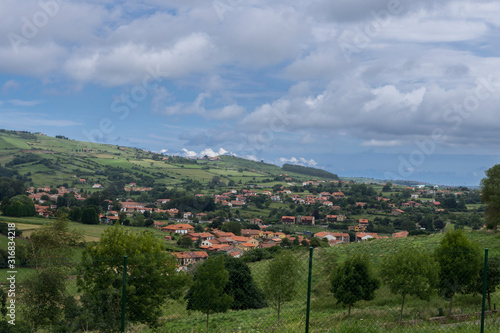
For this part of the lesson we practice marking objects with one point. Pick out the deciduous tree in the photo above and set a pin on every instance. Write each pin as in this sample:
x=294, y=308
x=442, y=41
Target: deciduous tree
x=44, y=293
x=353, y=281
x=280, y=280
x=151, y=277
x=490, y=190
x=90, y=216
x=208, y=294
x=410, y=271
x=241, y=286
x=459, y=261
x=493, y=280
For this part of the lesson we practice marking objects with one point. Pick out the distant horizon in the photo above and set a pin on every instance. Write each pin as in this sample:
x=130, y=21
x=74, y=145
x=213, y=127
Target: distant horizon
x=211, y=154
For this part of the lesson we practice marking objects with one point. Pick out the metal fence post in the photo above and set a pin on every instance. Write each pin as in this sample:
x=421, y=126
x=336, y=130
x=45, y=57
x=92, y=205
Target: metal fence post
x=485, y=281
x=124, y=295
x=308, y=310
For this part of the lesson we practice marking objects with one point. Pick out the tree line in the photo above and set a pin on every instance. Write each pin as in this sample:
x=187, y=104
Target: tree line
x=309, y=171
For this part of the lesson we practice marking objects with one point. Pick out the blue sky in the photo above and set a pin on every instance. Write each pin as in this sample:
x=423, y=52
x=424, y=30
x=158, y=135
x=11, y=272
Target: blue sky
x=394, y=89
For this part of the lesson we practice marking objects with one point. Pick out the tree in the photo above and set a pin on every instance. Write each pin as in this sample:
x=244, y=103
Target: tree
x=89, y=216
x=186, y=242
x=198, y=228
x=151, y=277
x=439, y=223
x=315, y=242
x=459, y=261
x=232, y=226
x=493, y=280
x=19, y=206
x=242, y=287
x=490, y=190
x=353, y=281
x=207, y=294
x=285, y=242
x=44, y=293
x=410, y=271
x=10, y=187
x=280, y=280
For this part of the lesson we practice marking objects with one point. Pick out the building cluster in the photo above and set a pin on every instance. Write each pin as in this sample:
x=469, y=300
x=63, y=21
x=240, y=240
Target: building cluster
x=225, y=242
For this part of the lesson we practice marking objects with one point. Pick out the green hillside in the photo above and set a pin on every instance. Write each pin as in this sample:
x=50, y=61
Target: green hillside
x=42, y=160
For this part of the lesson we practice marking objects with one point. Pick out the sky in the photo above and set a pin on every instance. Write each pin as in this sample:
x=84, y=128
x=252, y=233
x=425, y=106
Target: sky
x=388, y=89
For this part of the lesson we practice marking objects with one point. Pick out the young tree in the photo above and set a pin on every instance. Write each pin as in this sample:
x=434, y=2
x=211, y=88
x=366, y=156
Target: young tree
x=280, y=280
x=493, y=280
x=353, y=281
x=241, y=286
x=459, y=261
x=44, y=293
x=207, y=294
x=410, y=271
x=491, y=196
x=151, y=277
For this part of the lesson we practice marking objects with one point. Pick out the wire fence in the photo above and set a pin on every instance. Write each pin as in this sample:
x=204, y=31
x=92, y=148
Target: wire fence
x=337, y=289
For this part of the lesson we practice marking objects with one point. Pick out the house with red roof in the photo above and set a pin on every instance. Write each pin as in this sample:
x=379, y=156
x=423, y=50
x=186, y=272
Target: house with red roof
x=178, y=228
x=186, y=258
x=338, y=237
x=288, y=219
x=307, y=220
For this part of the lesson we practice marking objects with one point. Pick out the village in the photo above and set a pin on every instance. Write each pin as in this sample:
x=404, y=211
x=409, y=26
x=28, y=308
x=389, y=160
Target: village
x=207, y=239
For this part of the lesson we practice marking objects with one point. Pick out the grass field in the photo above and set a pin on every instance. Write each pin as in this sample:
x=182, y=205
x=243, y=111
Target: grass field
x=328, y=316
x=81, y=159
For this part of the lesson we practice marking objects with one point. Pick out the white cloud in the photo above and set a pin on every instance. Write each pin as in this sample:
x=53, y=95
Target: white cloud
x=389, y=96
x=181, y=108
x=299, y=161
x=208, y=152
x=18, y=102
x=188, y=153
x=205, y=152
x=10, y=85
x=381, y=143
x=421, y=28
x=285, y=79
x=232, y=111
x=131, y=62
x=33, y=121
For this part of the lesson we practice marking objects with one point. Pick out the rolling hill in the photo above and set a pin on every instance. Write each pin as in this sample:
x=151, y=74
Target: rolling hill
x=41, y=160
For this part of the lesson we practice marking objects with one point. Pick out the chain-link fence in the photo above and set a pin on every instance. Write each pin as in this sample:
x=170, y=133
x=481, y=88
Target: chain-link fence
x=342, y=288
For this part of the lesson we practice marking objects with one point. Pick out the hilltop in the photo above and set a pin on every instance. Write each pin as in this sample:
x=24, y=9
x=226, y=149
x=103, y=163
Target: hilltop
x=41, y=160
